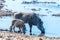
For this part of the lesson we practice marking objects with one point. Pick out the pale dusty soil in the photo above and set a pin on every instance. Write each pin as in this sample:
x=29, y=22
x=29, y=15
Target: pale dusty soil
x=6, y=35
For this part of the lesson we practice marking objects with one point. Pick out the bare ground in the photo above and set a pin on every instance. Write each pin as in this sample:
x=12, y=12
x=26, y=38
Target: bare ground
x=6, y=35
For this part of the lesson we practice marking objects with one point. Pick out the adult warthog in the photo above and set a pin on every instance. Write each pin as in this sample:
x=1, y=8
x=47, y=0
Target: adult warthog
x=31, y=19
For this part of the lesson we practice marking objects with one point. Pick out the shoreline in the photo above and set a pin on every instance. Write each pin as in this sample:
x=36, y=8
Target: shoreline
x=7, y=13
x=6, y=35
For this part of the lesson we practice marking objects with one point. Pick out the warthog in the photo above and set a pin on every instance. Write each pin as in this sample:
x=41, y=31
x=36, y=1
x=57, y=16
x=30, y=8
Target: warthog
x=31, y=19
x=18, y=23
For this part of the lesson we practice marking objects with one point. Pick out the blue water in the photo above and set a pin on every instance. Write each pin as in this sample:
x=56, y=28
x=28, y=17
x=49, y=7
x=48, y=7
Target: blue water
x=51, y=23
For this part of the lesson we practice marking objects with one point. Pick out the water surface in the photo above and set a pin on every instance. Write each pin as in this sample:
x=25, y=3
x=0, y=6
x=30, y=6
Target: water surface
x=50, y=23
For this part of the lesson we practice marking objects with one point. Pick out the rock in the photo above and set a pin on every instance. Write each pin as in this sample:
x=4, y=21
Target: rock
x=56, y=15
